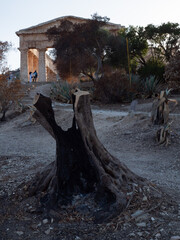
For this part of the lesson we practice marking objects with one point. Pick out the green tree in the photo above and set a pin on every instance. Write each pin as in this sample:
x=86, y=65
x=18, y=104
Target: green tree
x=116, y=52
x=85, y=48
x=158, y=43
x=4, y=47
x=79, y=48
x=137, y=43
x=164, y=39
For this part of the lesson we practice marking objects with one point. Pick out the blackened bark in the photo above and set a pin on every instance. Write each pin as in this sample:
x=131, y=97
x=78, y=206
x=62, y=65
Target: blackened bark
x=82, y=163
x=3, y=118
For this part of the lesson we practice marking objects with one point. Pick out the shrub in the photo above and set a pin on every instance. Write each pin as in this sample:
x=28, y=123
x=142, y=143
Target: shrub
x=172, y=72
x=10, y=93
x=153, y=67
x=114, y=87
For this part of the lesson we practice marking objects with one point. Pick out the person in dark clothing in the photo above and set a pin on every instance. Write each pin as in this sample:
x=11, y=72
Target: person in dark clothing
x=35, y=75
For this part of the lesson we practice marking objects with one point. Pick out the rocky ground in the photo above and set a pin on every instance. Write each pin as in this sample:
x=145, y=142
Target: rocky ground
x=26, y=148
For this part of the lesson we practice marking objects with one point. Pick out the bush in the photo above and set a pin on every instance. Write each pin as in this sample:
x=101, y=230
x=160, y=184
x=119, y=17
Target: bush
x=62, y=90
x=114, y=87
x=172, y=72
x=10, y=93
x=153, y=67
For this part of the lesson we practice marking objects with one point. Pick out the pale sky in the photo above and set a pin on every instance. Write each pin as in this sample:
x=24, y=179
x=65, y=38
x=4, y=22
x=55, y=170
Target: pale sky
x=20, y=14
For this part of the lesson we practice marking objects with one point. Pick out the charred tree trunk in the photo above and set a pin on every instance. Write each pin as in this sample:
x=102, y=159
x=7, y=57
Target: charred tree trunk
x=160, y=109
x=3, y=118
x=82, y=163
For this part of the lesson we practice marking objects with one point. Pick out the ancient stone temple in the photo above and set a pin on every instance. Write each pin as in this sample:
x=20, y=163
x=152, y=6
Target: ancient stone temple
x=34, y=44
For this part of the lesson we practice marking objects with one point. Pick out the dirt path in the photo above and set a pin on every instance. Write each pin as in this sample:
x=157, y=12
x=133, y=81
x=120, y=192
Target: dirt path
x=26, y=148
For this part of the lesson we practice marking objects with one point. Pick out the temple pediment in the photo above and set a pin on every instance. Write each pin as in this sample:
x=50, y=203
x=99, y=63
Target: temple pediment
x=43, y=27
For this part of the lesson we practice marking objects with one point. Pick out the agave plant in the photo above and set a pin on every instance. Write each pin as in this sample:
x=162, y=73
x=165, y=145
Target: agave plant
x=62, y=90
x=152, y=86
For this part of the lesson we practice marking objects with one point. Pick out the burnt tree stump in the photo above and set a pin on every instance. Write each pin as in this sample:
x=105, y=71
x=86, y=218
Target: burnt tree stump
x=82, y=164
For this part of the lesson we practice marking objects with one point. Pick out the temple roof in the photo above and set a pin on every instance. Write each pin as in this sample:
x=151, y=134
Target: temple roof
x=42, y=27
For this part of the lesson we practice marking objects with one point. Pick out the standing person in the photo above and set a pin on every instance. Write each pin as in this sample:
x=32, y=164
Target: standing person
x=30, y=76
x=35, y=75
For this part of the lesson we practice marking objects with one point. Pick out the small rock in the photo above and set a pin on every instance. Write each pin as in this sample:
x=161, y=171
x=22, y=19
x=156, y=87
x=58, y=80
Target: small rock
x=142, y=217
x=132, y=235
x=158, y=235
x=77, y=238
x=35, y=226
x=139, y=234
x=129, y=193
x=45, y=221
x=133, y=105
x=39, y=224
x=137, y=213
x=144, y=198
x=142, y=224
x=175, y=238
x=19, y=233
x=152, y=219
x=164, y=213
x=47, y=232
x=31, y=209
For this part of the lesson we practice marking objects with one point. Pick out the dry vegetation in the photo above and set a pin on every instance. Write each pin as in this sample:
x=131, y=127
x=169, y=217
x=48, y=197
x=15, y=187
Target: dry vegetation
x=10, y=93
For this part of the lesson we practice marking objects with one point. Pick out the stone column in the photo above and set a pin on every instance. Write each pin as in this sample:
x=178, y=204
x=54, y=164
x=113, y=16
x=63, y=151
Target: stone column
x=24, y=65
x=30, y=61
x=42, y=66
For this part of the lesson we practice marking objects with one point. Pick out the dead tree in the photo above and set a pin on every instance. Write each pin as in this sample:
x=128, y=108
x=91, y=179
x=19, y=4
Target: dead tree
x=160, y=115
x=163, y=135
x=160, y=109
x=82, y=165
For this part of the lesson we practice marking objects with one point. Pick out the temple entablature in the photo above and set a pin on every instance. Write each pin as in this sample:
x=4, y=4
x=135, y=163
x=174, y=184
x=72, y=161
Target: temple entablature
x=34, y=43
